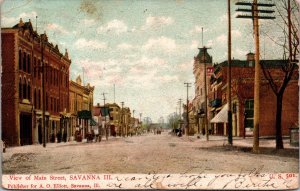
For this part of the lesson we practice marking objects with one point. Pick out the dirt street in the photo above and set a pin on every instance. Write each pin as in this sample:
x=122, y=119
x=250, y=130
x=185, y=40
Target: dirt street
x=148, y=153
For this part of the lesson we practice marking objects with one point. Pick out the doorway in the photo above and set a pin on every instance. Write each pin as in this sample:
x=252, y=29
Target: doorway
x=25, y=129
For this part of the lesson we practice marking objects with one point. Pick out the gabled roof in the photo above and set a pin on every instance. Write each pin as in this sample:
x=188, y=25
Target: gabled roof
x=26, y=25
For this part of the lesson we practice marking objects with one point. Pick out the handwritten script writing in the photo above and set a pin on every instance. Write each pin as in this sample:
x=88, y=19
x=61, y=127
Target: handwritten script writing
x=246, y=179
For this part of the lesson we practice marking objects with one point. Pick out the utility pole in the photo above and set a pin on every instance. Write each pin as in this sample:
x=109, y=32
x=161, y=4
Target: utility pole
x=229, y=78
x=187, y=85
x=104, y=98
x=141, y=119
x=290, y=32
x=255, y=17
x=43, y=91
x=180, y=102
x=114, y=93
x=122, y=121
x=105, y=126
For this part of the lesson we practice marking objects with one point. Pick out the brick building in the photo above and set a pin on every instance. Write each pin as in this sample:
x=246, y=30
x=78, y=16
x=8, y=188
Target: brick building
x=81, y=107
x=22, y=85
x=242, y=98
x=115, y=118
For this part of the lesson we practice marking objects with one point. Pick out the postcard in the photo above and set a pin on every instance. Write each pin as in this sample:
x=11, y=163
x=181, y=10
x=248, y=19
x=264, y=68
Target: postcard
x=136, y=94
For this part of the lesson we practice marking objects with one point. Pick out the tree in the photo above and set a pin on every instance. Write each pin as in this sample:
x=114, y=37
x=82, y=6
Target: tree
x=288, y=11
x=173, y=121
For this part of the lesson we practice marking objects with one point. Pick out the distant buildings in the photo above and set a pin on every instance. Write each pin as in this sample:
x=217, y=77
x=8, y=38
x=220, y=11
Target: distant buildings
x=22, y=86
x=81, y=107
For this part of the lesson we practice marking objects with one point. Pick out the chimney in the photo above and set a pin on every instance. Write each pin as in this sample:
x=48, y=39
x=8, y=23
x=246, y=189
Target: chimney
x=250, y=56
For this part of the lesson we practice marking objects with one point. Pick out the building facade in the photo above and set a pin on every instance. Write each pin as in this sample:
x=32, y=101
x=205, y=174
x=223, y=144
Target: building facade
x=81, y=107
x=242, y=92
x=115, y=111
x=197, y=113
x=22, y=53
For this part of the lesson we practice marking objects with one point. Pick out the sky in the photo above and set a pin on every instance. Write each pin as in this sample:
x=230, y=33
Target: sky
x=145, y=48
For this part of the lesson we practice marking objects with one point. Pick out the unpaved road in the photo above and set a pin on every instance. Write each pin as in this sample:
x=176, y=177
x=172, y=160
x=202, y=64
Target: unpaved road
x=144, y=154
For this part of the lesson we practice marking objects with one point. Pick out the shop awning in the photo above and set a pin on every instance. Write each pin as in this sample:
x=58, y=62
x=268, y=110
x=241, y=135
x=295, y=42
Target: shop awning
x=104, y=111
x=84, y=114
x=222, y=116
x=93, y=122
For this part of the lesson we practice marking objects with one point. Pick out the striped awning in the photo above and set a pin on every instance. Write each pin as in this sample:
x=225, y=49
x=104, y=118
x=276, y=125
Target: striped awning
x=222, y=116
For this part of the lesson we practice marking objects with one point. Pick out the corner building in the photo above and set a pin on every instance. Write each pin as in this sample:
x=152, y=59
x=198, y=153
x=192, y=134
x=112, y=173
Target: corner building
x=22, y=86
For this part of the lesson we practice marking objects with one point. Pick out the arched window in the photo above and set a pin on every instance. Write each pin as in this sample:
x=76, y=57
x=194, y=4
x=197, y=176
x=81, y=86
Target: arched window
x=25, y=96
x=34, y=98
x=39, y=99
x=29, y=91
x=28, y=64
x=50, y=77
x=47, y=102
x=20, y=88
x=56, y=77
x=57, y=104
x=34, y=67
x=20, y=59
x=54, y=104
x=24, y=61
x=39, y=69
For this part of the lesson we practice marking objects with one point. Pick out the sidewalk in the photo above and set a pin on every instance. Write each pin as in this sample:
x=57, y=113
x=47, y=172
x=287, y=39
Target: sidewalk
x=239, y=141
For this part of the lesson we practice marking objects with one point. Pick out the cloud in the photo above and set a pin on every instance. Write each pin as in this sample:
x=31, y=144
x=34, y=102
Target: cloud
x=236, y=33
x=30, y=15
x=167, y=78
x=194, y=44
x=89, y=22
x=224, y=18
x=210, y=43
x=155, y=22
x=125, y=46
x=222, y=38
x=163, y=43
x=115, y=26
x=198, y=29
x=240, y=53
x=11, y=21
x=151, y=61
x=186, y=66
x=93, y=44
x=56, y=28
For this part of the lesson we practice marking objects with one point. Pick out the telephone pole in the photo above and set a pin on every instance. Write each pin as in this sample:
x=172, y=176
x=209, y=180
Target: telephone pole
x=105, y=126
x=180, y=102
x=104, y=98
x=229, y=78
x=187, y=85
x=122, y=121
x=255, y=17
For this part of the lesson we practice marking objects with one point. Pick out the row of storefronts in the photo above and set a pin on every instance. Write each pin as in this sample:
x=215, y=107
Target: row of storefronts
x=242, y=88
x=34, y=69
